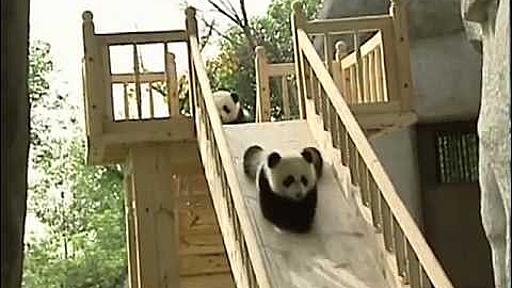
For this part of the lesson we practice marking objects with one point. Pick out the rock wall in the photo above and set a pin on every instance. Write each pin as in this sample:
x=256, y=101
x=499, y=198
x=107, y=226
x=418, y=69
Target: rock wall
x=489, y=22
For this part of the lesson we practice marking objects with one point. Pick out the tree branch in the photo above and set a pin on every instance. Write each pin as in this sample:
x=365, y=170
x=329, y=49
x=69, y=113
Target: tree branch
x=217, y=31
x=244, y=13
x=206, y=38
x=233, y=18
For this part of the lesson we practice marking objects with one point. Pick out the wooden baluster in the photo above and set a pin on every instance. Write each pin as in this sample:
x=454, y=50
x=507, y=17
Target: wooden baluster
x=401, y=261
x=311, y=82
x=373, y=76
x=386, y=224
x=191, y=28
x=375, y=204
x=328, y=52
x=137, y=81
x=237, y=234
x=425, y=281
x=151, y=101
x=343, y=143
x=316, y=97
x=353, y=85
x=333, y=125
x=324, y=108
x=379, y=80
x=262, y=86
x=126, y=102
x=363, y=181
x=341, y=51
x=286, y=98
x=413, y=268
x=366, y=80
x=359, y=69
x=172, y=83
x=353, y=163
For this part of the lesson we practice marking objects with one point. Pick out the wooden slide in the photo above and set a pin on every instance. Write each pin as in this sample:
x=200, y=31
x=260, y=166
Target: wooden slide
x=340, y=251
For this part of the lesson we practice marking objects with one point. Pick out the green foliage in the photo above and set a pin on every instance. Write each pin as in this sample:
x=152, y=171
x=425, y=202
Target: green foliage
x=233, y=68
x=80, y=206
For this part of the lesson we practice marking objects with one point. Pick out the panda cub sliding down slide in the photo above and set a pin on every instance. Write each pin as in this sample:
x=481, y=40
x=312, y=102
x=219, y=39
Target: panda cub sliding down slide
x=230, y=108
x=287, y=185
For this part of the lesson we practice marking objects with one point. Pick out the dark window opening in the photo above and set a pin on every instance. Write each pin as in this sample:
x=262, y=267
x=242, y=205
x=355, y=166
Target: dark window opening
x=457, y=156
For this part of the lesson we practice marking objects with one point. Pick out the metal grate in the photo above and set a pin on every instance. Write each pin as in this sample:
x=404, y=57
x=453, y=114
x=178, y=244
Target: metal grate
x=457, y=156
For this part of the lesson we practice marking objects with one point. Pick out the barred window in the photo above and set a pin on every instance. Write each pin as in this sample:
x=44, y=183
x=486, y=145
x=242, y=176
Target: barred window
x=457, y=156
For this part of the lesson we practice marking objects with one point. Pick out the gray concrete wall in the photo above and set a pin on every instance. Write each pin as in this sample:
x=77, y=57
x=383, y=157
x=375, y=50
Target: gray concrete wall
x=397, y=152
x=446, y=74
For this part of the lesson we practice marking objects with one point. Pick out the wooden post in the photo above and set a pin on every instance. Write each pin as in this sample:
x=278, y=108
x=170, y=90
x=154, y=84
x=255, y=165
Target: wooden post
x=298, y=21
x=262, y=86
x=398, y=11
x=138, y=93
x=155, y=227
x=337, y=71
x=131, y=247
x=286, y=97
x=172, y=84
x=359, y=69
x=191, y=25
x=94, y=105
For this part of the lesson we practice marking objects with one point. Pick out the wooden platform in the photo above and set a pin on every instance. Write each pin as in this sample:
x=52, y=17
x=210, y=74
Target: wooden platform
x=340, y=251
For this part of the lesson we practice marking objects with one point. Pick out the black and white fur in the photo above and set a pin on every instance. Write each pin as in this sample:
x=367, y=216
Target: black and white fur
x=287, y=185
x=229, y=106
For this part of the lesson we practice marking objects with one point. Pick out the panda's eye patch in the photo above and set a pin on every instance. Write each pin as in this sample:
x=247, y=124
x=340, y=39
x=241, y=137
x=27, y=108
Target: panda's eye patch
x=304, y=180
x=288, y=181
x=226, y=109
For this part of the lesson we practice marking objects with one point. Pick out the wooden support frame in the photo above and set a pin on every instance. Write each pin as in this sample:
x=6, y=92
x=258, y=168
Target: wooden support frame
x=155, y=222
x=368, y=172
x=239, y=237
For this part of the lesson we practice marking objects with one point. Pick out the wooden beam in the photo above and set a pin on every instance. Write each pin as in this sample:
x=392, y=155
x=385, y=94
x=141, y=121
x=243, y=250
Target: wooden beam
x=156, y=235
x=142, y=37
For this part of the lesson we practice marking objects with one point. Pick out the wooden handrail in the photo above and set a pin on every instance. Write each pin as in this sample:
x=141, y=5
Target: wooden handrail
x=405, y=222
x=143, y=77
x=142, y=37
x=218, y=139
x=347, y=25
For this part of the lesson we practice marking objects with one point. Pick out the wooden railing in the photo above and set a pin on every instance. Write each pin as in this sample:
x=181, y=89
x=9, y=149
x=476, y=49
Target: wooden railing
x=361, y=75
x=375, y=77
x=240, y=239
x=284, y=74
x=415, y=262
x=134, y=107
x=100, y=82
x=161, y=89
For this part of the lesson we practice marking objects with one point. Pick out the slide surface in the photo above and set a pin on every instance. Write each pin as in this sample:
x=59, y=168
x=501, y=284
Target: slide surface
x=340, y=251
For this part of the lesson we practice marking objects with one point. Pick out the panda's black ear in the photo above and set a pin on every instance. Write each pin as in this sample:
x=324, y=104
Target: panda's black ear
x=273, y=159
x=306, y=154
x=235, y=97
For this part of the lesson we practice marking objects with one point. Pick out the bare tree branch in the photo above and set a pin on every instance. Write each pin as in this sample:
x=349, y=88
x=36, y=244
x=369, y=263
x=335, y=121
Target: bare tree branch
x=205, y=39
x=229, y=6
x=233, y=18
x=213, y=29
x=244, y=13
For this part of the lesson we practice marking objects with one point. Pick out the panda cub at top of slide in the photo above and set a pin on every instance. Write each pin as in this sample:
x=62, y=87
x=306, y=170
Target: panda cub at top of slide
x=229, y=106
x=287, y=185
